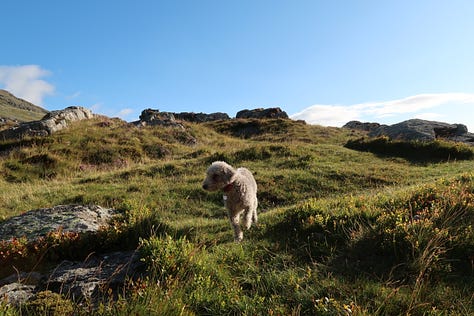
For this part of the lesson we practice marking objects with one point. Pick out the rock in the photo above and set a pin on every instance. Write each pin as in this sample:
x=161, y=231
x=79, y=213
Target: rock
x=367, y=127
x=52, y=122
x=423, y=130
x=261, y=113
x=155, y=117
x=85, y=280
x=76, y=280
x=69, y=218
x=201, y=117
x=16, y=293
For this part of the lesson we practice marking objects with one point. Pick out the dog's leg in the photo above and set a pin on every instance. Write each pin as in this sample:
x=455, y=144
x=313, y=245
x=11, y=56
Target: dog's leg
x=247, y=220
x=234, y=221
x=254, y=216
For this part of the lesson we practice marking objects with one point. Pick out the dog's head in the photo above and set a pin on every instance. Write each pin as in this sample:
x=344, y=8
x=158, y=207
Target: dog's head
x=218, y=176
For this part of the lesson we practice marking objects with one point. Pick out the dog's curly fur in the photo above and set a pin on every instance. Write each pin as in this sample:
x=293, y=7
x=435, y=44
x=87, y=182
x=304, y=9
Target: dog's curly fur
x=240, y=193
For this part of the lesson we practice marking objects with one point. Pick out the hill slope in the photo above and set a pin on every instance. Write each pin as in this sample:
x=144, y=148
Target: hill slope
x=341, y=232
x=16, y=109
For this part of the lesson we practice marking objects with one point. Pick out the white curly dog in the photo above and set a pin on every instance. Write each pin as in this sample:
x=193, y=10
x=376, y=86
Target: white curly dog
x=240, y=193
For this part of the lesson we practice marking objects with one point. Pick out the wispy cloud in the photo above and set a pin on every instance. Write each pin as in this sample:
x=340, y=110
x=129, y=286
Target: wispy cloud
x=74, y=95
x=414, y=106
x=26, y=82
x=124, y=112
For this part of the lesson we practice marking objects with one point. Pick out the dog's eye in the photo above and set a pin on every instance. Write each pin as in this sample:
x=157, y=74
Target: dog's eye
x=215, y=177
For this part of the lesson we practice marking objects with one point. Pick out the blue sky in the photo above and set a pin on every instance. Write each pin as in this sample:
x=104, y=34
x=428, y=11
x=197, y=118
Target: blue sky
x=327, y=62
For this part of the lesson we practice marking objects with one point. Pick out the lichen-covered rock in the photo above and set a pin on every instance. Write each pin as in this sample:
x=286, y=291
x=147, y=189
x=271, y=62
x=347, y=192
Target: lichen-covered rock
x=68, y=218
x=52, y=122
x=16, y=293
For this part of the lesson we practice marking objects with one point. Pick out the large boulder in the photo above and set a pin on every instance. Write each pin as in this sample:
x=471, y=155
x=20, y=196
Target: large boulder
x=423, y=130
x=52, y=122
x=261, y=113
x=69, y=218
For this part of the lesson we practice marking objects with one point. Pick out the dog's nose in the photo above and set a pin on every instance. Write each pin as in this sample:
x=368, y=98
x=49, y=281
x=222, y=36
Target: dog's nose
x=204, y=186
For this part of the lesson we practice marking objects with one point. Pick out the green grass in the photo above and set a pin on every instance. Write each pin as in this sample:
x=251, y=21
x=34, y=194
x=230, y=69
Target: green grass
x=341, y=232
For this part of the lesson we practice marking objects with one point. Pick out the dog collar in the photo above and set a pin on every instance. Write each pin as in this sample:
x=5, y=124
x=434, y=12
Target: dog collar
x=228, y=187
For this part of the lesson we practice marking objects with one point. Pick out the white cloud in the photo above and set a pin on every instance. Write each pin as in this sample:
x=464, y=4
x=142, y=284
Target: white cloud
x=441, y=106
x=328, y=115
x=25, y=82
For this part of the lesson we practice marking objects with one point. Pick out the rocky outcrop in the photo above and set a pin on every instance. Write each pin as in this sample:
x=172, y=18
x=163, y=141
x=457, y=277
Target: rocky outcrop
x=151, y=117
x=201, y=117
x=362, y=126
x=155, y=117
x=260, y=113
x=174, y=119
x=78, y=280
x=423, y=130
x=52, y=122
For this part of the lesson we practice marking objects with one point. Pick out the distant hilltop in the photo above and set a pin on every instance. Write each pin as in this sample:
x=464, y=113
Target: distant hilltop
x=18, y=110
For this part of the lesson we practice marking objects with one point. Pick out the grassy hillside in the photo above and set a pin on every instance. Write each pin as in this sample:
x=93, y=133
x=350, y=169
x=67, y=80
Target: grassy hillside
x=15, y=109
x=341, y=231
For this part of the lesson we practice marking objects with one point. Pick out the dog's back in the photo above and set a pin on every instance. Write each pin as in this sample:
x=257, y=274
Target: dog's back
x=250, y=182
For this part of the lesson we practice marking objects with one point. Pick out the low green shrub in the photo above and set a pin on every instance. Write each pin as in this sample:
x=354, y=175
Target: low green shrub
x=418, y=151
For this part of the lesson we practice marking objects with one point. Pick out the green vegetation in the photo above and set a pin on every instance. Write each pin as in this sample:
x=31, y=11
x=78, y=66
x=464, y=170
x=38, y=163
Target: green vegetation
x=372, y=231
x=417, y=151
